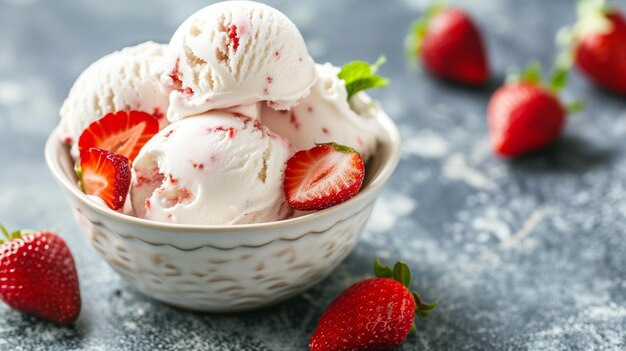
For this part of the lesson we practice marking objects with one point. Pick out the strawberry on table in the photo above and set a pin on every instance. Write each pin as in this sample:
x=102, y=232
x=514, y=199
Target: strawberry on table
x=106, y=175
x=123, y=132
x=526, y=116
x=38, y=276
x=450, y=45
x=323, y=176
x=597, y=44
x=374, y=314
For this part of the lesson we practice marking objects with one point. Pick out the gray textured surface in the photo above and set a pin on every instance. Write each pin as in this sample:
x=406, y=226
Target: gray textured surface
x=529, y=254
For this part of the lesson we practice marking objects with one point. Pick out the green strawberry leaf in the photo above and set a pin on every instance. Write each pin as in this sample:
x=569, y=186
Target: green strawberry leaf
x=560, y=76
x=532, y=73
x=5, y=232
x=419, y=27
x=360, y=75
x=402, y=273
x=10, y=235
x=340, y=148
x=422, y=309
x=575, y=106
x=381, y=270
x=79, y=174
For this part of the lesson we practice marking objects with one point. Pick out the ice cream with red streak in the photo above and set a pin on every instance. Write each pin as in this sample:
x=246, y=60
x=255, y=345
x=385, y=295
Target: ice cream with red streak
x=215, y=168
x=325, y=115
x=116, y=82
x=235, y=53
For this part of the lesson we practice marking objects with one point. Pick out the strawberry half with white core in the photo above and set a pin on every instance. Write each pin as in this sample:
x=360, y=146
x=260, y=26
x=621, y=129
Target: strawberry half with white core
x=106, y=175
x=374, y=314
x=324, y=176
x=38, y=276
x=525, y=115
x=123, y=132
x=597, y=44
x=450, y=45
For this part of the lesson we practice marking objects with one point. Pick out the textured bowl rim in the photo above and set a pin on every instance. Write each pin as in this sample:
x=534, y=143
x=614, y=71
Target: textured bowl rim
x=392, y=139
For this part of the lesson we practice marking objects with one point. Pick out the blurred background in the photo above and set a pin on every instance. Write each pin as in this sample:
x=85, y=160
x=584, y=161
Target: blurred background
x=524, y=254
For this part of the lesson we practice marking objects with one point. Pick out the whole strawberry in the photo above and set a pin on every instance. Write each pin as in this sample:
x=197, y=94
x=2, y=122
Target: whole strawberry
x=598, y=43
x=374, y=314
x=450, y=45
x=38, y=276
x=525, y=115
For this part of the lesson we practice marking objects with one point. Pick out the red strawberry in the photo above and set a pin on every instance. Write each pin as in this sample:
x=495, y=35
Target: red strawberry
x=525, y=116
x=123, y=132
x=38, y=276
x=451, y=46
x=374, y=314
x=106, y=175
x=324, y=176
x=601, y=53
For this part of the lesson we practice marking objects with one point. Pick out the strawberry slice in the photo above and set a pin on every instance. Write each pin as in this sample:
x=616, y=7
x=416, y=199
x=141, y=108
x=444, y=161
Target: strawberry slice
x=106, y=175
x=324, y=176
x=122, y=132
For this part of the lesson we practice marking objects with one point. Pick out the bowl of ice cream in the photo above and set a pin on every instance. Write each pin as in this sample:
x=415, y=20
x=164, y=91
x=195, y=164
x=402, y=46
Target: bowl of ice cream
x=226, y=268
x=207, y=225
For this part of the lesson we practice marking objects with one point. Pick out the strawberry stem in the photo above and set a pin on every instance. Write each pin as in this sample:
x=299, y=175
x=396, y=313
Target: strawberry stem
x=9, y=235
x=419, y=27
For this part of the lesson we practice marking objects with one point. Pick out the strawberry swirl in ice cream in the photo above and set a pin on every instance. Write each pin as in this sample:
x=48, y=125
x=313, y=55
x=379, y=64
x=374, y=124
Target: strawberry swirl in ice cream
x=236, y=53
x=327, y=116
x=121, y=81
x=242, y=95
x=212, y=169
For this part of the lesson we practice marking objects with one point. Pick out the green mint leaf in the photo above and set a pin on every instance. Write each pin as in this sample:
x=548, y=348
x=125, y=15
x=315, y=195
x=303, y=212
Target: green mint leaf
x=360, y=75
x=381, y=270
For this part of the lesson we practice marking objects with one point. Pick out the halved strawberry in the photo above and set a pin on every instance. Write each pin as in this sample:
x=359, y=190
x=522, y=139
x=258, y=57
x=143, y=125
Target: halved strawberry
x=324, y=176
x=106, y=175
x=122, y=132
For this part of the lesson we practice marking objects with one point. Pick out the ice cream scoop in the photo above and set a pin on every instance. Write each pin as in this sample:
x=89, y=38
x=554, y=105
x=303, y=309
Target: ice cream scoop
x=325, y=115
x=235, y=53
x=212, y=169
x=116, y=82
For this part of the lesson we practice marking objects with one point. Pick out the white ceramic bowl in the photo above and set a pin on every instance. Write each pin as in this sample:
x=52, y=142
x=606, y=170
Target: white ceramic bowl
x=233, y=267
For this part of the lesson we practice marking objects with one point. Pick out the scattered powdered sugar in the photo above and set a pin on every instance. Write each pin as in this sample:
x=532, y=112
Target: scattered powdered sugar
x=424, y=143
x=390, y=207
x=456, y=167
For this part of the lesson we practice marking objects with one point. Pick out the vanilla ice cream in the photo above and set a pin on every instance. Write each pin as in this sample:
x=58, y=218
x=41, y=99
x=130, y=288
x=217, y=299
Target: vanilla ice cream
x=326, y=116
x=119, y=81
x=212, y=169
x=235, y=53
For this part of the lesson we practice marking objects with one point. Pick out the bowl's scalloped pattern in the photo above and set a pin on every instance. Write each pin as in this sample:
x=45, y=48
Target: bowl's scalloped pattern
x=213, y=279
